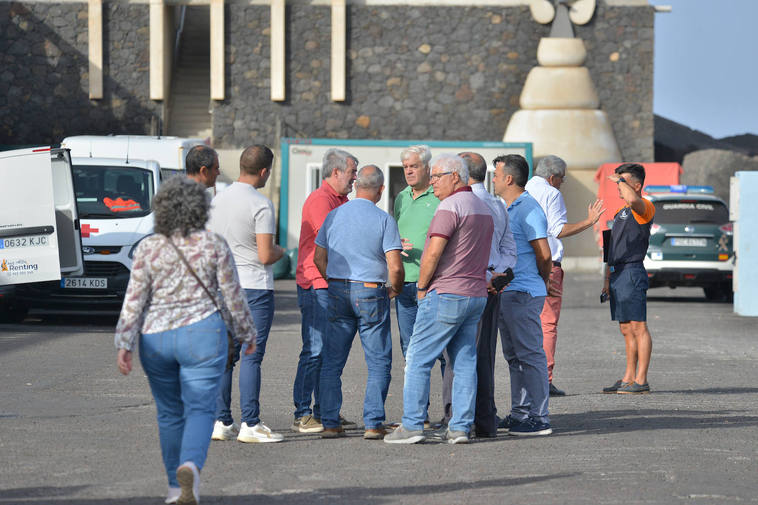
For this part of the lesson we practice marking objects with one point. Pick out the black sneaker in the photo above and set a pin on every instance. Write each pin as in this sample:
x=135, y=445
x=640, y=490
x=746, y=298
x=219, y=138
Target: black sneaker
x=439, y=434
x=615, y=387
x=554, y=391
x=530, y=427
x=507, y=422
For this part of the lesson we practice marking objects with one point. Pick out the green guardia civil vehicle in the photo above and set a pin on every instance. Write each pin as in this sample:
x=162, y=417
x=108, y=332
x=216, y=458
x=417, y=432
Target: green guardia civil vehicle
x=690, y=240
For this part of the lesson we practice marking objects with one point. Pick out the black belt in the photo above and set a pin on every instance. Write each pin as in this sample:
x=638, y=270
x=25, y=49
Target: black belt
x=366, y=284
x=622, y=266
x=557, y=264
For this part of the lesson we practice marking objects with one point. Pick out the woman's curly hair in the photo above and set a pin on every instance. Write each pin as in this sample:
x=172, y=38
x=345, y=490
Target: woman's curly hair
x=181, y=205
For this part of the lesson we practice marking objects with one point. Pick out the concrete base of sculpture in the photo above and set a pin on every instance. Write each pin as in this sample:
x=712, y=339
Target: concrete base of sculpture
x=583, y=138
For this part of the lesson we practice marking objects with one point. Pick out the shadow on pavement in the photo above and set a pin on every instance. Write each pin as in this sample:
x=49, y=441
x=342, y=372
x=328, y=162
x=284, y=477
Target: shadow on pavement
x=342, y=495
x=711, y=391
x=619, y=421
x=685, y=299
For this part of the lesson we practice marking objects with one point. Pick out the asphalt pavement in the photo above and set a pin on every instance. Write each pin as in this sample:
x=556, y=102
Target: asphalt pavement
x=74, y=431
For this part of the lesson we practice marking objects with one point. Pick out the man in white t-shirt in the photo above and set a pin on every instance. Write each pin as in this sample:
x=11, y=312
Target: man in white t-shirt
x=245, y=218
x=545, y=188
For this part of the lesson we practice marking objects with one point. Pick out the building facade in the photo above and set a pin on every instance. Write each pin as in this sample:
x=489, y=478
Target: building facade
x=321, y=68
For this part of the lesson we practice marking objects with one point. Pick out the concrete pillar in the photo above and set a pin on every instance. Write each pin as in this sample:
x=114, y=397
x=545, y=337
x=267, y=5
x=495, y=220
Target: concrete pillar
x=95, y=52
x=743, y=207
x=277, y=51
x=217, y=50
x=339, y=47
x=157, y=60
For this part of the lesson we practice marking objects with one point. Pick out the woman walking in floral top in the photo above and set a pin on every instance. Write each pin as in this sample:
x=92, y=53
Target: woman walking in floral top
x=172, y=305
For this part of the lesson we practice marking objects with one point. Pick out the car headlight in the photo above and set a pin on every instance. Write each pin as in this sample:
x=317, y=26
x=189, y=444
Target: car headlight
x=134, y=247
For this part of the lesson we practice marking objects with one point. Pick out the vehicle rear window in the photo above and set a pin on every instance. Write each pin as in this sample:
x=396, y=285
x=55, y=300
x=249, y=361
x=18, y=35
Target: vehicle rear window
x=690, y=212
x=108, y=192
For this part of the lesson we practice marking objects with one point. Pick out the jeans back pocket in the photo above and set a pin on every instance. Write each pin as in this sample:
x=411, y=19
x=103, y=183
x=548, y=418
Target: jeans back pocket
x=204, y=342
x=371, y=309
x=451, y=308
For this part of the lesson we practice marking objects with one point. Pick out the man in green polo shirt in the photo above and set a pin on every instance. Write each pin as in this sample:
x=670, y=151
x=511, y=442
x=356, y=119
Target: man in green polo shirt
x=414, y=208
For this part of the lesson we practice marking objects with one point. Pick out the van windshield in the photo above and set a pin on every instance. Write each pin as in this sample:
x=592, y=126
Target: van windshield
x=111, y=192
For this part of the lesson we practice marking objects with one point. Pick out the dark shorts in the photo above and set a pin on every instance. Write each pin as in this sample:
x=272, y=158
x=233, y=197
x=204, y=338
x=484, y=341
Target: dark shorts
x=628, y=290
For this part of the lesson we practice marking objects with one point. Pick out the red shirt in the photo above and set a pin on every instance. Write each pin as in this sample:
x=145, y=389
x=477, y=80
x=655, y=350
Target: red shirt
x=318, y=204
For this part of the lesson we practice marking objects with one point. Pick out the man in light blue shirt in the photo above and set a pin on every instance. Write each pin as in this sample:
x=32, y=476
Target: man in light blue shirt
x=357, y=251
x=521, y=302
x=502, y=256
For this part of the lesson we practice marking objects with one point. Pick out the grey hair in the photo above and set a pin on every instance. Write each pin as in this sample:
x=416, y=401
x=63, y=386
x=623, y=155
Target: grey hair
x=423, y=152
x=181, y=205
x=335, y=158
x=477, y=167
x=451, y=163
x=369, y=179
x=550, y=165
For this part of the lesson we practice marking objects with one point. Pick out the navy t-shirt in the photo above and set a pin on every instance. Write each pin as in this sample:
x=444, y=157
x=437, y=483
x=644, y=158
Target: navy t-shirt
x=630, y=235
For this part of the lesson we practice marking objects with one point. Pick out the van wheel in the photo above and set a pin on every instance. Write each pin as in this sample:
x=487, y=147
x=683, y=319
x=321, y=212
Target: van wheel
x=13, y=313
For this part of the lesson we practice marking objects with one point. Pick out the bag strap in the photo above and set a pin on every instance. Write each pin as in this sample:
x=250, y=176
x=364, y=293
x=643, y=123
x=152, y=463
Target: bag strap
x=186, y=263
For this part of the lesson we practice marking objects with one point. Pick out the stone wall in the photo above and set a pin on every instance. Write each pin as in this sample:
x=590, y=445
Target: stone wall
x=44, y=72
x=444, y=73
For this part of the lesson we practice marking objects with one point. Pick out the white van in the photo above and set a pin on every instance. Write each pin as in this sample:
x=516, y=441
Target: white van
x=115, y=178
x=169, y=152
x=114, y=200
x=39, y=224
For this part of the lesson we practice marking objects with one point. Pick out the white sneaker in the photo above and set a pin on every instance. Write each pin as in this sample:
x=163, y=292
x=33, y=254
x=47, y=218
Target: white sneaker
x=222, y=431
x=260, y=433
x=173, y=494
x=189, y=482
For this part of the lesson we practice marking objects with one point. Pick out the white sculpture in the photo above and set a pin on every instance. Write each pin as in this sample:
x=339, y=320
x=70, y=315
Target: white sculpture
x=559, y=105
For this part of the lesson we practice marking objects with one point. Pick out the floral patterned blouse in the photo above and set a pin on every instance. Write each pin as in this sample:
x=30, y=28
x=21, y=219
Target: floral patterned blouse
x=163, y=295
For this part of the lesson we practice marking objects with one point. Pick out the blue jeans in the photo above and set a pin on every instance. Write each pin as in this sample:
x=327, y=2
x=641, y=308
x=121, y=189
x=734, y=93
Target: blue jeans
x=183, y=367
x=521, y=336
x=406, y=307
x=443, y=321
x=261, y=303
x=352, y=306
x=312, y=303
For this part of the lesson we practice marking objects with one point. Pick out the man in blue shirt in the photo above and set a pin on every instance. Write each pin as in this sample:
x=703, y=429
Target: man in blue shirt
x=521, y=302
x=355, y=247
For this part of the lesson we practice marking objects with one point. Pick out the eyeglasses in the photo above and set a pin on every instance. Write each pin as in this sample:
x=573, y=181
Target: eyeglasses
x=436, y=176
